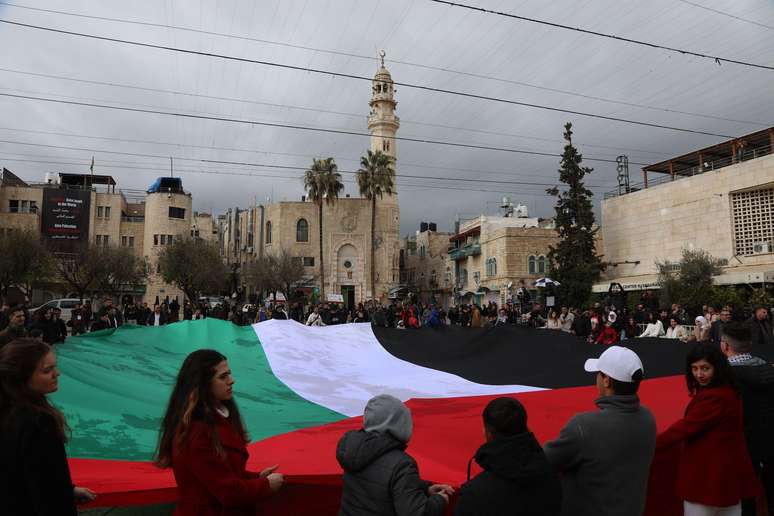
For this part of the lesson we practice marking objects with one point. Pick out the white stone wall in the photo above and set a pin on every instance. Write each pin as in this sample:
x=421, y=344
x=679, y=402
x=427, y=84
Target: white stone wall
x=655, y=224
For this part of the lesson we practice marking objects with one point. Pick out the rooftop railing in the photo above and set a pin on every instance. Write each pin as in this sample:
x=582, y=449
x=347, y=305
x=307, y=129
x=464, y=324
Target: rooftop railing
x=707, y=166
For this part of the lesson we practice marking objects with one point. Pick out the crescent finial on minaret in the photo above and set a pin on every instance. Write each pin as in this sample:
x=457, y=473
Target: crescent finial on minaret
x=382, y=53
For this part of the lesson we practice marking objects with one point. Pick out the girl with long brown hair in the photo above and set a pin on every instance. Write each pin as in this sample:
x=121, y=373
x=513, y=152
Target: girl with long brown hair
x=34, y=474
x=204, y=440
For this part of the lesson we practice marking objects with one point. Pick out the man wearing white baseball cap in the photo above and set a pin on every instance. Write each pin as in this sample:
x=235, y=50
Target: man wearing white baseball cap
x=604, y=456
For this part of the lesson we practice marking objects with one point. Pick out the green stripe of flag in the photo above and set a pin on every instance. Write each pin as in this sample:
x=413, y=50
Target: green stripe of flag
x=115, y=386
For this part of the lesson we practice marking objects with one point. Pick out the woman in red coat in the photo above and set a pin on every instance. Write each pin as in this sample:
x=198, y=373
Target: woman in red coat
x=204, y=440
x=715, y=471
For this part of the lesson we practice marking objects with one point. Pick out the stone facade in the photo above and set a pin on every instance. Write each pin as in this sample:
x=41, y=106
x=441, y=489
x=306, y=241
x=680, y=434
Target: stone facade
x=493, y=255
x=426, y=267
x=346, y=225
x=728, y=212
x=114, y=221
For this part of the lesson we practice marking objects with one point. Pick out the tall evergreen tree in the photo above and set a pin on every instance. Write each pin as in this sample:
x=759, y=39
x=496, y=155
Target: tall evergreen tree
x=375, y=178
x=323, y=184
x=574, y=260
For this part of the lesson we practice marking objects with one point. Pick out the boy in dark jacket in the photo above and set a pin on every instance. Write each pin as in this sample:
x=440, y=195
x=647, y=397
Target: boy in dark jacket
x=380, y=478
x=517, y=479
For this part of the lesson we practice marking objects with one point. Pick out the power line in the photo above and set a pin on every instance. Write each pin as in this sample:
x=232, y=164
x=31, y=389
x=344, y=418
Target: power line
x=717, y=59
x=289, y=167
x=363, y=78
x=258, y=151
x=403, y=184
x=406, y=63
x=292, y=126
x=353, y=115
x=753, y=22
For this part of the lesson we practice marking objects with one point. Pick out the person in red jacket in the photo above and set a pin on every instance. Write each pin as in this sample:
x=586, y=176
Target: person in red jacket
x=715, y=471
x=609, y=335
x=203, y=440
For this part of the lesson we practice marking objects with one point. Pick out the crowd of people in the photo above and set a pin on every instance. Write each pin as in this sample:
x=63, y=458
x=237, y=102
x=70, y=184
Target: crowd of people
x=598, y=464
x=606, y=322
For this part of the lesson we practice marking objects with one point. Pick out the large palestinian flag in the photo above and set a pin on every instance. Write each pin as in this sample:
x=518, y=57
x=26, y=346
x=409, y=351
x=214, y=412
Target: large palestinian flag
x=299, y=388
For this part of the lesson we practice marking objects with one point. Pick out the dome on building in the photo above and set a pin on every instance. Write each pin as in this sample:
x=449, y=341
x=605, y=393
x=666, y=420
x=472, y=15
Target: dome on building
x=382, y=74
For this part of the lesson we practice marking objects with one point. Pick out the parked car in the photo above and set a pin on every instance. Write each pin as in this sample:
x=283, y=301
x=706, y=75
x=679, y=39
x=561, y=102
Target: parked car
x=212, y=301
x=66, y=305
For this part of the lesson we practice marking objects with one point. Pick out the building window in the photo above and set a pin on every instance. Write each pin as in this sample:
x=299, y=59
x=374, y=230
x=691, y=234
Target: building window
x=302, y=231
x=194, y=233
x=13, y=206
x=268, y=232
x=308, y=261
x=542, y=265
x=477, y=277
x=463, y=278
x=127, y=241
x=163, y=239
x=100, y=211
x=421, y=251
x=753, y=219
x=176, y=213
x=491, y=267
x=102, y=240
x=532, y=261
x=155, y=240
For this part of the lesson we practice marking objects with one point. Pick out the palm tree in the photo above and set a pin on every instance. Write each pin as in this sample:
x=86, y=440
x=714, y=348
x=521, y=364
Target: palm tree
x=322, y=183
x=375, y=178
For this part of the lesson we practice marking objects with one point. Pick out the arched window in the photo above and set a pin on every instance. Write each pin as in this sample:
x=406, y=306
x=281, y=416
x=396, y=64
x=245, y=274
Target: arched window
x=268, y=232
x=422, y=251
x=542, y=265
x=532, y=265
x=302, y=231
x=491, y=267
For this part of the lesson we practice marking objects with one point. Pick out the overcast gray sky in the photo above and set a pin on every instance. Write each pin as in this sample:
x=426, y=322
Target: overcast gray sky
x=426, y=44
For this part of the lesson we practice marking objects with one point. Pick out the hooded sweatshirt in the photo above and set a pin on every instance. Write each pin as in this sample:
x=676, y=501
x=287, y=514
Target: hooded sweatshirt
x=517, y=481
x=380, y=478
x=604, y=458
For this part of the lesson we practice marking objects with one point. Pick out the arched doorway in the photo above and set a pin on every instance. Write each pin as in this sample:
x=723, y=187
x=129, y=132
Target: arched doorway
x=348, y=273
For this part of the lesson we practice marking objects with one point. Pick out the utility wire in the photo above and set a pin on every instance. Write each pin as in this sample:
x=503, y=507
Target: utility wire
x=292, y=126
x=362, y=78
x=403, y=184
x=358, y=115
x=399, y=163
x=717, y=59
x=280, y=167
x=397, y=61
x=710, y=9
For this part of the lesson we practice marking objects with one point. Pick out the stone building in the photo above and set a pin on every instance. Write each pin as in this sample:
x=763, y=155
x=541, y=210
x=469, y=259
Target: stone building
x=143, y=221
x=295, y=226
x=425, y=267
x=719, y=199
x=492, y=255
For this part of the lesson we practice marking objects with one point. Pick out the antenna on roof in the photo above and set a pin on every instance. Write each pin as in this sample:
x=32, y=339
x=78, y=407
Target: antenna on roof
x=171, y=169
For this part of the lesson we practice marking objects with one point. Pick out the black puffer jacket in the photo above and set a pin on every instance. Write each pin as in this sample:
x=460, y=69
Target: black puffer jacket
x=517, y=481
x=756, y=381
x=381, y=479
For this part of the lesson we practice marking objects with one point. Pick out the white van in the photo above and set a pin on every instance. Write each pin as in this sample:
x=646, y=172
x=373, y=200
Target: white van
x=67, y=306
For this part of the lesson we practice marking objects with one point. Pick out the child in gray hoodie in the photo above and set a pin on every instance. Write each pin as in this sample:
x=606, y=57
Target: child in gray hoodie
x=380, y=478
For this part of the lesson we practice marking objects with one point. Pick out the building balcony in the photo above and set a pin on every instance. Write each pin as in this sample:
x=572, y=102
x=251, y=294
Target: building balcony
x=459, y=253
x=127, y=218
